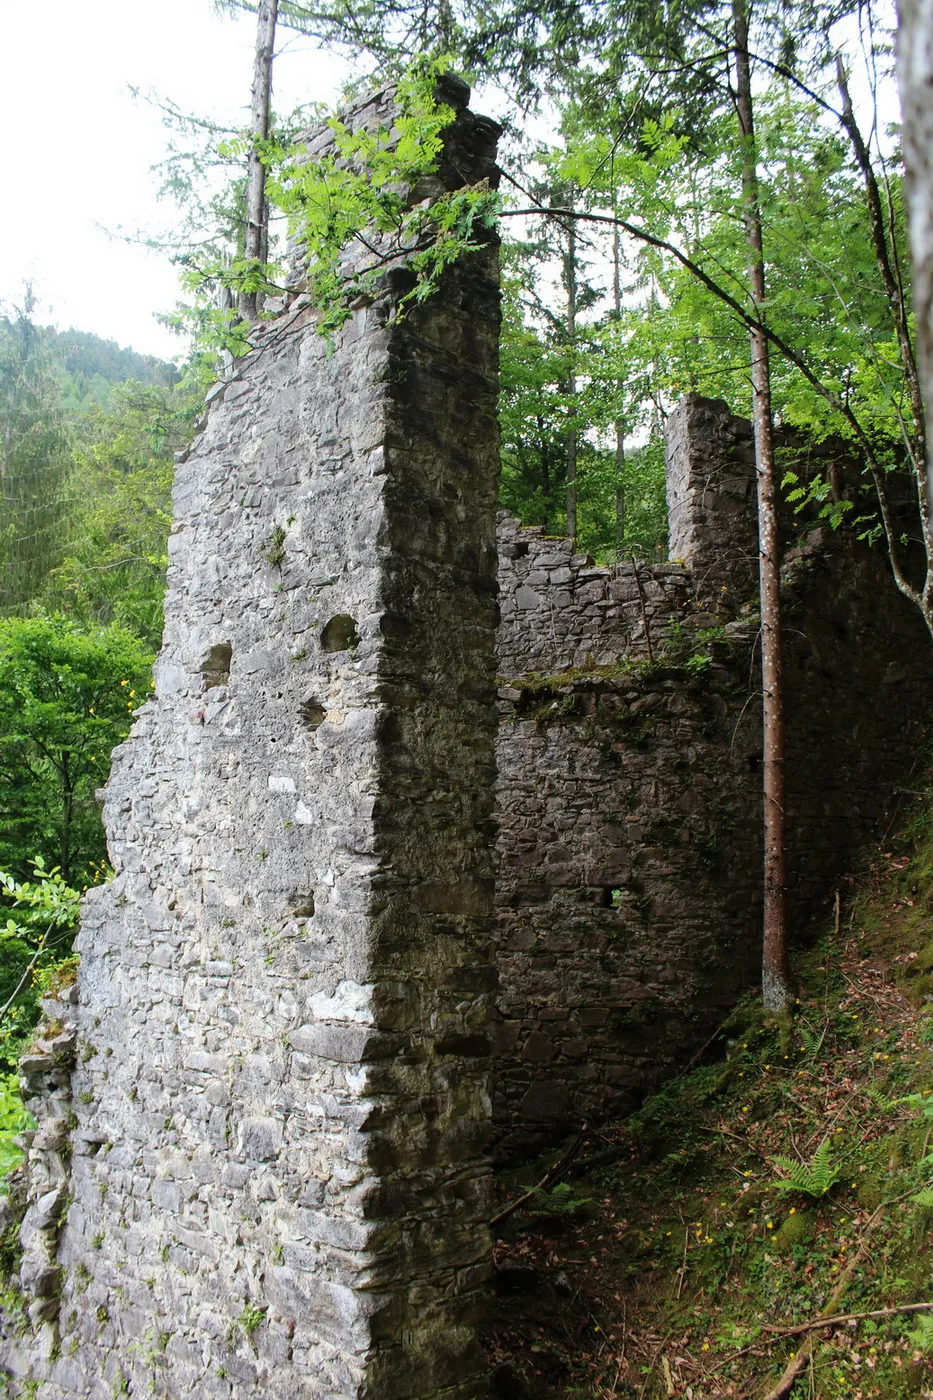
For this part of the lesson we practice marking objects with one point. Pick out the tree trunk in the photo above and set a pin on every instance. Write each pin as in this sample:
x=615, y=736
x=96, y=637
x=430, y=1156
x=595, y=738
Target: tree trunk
x=775, y=970
x=64, y=848
x=620, y=388
x=570, y=282
x=915, y=76
x=250, y=302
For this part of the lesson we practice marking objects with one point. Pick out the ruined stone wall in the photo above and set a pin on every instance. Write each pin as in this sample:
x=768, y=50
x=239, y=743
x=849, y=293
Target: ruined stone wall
x=629, y=793
x=260, y=1170
x=559, y=610
x=278, y=1172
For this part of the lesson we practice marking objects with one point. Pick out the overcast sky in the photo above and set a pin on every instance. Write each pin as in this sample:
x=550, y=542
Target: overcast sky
x=77, y=147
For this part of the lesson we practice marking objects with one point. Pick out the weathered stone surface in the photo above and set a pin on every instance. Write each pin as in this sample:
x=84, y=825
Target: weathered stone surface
x=259, y=1169
x=711, y=496
x=279, y=1172
x=630, y=804
x=577, y=615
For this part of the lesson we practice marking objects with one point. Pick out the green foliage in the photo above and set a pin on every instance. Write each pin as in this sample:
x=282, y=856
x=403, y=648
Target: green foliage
x=360, y=194
x=114, y=553
x=14, y=1119
x=355, y=198
x=274, y=547
x=89, y=369
x=922, y=1334
x=40, y=916
x=923, y=1103
x=815, y=1178
x=814, y=491
x=619, y=512
x=251, y=1318
x=86, y=465
x=34, y=460
x=67, y=696
x=43, y=903
x=561, y=1203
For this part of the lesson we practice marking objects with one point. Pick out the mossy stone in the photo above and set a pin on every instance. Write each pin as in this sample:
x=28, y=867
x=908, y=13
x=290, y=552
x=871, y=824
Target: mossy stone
x=868, y=1193
x=797, y=1229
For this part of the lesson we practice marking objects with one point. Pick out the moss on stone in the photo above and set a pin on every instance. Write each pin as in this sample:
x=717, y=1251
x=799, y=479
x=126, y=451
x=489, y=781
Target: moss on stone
x=796, y=1230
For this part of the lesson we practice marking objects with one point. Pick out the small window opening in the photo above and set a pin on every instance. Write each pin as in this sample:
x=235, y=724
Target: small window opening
x=216, y=669
x=312, y=714
x=340, y=634
x=611, y=898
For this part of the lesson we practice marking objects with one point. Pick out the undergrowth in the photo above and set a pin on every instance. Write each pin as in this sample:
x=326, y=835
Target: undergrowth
x=792, y=1175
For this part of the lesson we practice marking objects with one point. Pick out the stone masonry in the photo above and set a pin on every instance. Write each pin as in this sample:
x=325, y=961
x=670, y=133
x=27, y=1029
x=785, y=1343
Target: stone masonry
x=279, y=1103
x=264, y=1111
x=629, y=887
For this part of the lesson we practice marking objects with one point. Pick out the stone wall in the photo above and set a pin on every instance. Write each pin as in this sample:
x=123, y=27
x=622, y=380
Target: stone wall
x=279, y=1132
x=559, y=610
x=629, y=792
x=711, y=497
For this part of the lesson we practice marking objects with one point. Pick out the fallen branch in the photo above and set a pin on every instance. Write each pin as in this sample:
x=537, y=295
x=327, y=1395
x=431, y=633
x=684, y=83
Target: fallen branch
x=548, y=1176
x=652, y=1363
x=716, y=1033
x=800, y=1358
x=820, y=1322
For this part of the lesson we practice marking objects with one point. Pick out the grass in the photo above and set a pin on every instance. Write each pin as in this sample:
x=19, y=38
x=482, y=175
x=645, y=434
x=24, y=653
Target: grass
x=749, y=1195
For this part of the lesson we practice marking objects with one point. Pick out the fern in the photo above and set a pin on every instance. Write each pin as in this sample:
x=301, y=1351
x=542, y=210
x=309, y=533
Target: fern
x=560, y=1201
x=811, y=1043
x=922, y=1102
x=881, y=1100
x=924, y=1199
x=922, y=1334
x=814, y=1178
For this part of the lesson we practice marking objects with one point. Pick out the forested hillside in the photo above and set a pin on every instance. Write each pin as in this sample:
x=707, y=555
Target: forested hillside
x=88, y=435
x=89, y=368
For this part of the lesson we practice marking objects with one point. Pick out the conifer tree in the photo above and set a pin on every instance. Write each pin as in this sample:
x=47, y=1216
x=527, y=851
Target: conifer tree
x=34, y=459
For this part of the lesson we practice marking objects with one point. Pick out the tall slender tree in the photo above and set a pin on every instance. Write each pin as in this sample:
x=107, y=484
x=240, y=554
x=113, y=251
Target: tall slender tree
x=619, y=423
x=915, y=74
x=572, y=437
x=257, y=220
x=775, y=970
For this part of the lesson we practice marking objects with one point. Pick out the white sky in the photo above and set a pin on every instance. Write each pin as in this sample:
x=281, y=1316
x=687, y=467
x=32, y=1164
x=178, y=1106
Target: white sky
x=77, y=147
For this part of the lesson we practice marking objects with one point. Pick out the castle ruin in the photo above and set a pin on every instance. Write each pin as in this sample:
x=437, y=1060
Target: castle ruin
x=308, y=1011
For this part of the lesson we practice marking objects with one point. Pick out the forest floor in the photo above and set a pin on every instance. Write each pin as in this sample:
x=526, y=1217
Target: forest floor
x=681, y=1252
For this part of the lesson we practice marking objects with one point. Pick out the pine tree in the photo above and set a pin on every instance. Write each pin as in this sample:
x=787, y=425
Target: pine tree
x=34, y=459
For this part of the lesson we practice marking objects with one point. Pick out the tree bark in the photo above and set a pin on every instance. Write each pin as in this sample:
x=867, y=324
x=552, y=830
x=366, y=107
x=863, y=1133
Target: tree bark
x=256, y=219
x=915, y=77
x=570, y=283
x=620, y=388
x=775, y=970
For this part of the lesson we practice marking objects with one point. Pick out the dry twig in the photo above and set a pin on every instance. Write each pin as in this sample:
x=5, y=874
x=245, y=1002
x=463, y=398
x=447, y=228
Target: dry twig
x=548, y=1177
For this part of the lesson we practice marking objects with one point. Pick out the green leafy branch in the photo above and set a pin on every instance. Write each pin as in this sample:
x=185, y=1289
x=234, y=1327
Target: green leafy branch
x=365, y=190
x=47, y=901
x=814, y=491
